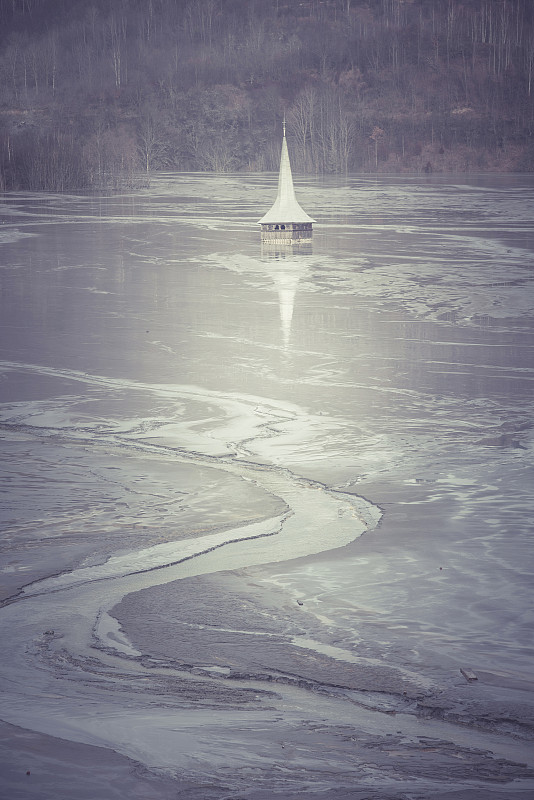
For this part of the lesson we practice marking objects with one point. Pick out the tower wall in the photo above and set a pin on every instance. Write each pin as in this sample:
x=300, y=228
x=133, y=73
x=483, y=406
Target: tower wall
x=286, y=232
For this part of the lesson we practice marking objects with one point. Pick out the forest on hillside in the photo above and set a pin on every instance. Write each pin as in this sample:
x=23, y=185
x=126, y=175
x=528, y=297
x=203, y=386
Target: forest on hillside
x=97, y=93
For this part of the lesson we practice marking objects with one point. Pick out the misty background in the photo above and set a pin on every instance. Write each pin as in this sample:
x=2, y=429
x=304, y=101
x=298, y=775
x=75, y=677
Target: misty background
x=96, y=94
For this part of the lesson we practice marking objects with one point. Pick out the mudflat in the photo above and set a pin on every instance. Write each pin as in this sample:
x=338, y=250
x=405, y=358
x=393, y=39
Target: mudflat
x=267, y=520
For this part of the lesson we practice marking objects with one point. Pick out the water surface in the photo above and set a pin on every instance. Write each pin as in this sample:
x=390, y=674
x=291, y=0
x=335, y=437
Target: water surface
x=257, y=501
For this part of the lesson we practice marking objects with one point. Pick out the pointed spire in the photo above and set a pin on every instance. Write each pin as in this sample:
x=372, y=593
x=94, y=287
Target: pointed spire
x=285, y=208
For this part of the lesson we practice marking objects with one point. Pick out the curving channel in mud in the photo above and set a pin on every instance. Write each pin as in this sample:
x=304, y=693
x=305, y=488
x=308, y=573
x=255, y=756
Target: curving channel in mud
x=190, y=656
x=197, y=600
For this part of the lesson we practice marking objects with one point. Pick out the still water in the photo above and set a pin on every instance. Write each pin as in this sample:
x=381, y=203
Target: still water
x=224, y=466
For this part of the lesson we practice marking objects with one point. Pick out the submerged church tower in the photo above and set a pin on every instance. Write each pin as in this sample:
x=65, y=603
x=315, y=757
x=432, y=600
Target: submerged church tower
x=286, y=222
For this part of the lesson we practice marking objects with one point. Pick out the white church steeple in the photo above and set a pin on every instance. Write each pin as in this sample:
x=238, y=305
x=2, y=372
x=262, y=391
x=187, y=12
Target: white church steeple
x=286, y=219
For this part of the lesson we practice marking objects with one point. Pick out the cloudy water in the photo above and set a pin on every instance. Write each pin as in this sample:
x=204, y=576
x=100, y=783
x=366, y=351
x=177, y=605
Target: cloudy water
x=267, y=514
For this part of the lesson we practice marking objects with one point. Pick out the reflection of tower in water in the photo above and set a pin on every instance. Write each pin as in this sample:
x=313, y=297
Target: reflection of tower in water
x=286, y=267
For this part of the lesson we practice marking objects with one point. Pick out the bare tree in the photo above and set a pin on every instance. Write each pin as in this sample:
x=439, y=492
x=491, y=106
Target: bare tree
x=152, y=141
x=376, y=136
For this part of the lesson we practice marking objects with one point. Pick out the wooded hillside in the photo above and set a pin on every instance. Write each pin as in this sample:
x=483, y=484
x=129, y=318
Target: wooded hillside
x=92, y=92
